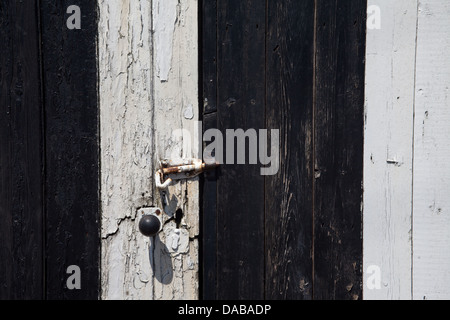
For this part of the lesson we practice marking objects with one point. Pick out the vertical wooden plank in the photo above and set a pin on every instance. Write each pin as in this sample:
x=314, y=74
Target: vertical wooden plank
x=208, y=32
x=209, y=54
x=240, y=198
x=431, y=209
x=127, y=144
x=209, y=222
x=21, y=168
x=338, y=148
x=389, y=92
x=71, y=115
x=176, y=109
x=288, y=194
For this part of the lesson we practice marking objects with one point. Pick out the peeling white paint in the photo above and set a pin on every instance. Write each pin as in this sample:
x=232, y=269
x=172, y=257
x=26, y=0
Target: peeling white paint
x=148, y=72
x=164, y=18
x=189, y=112
x=178, y=239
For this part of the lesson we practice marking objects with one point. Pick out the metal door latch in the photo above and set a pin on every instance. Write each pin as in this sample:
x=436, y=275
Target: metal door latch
x=180, y=169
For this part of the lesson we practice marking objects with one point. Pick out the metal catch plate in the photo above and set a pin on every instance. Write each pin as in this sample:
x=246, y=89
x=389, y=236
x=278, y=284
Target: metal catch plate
x=157, y=212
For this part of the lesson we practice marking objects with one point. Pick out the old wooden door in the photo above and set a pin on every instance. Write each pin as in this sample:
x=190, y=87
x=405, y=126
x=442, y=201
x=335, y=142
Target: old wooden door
x=88, y=109
x=295, y=66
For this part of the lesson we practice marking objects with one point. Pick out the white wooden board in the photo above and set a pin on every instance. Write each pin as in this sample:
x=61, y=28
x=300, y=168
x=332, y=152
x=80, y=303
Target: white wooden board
x=390, y=60
x=431, y=196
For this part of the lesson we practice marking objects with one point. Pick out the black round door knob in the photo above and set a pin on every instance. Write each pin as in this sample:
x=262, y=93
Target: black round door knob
x=149, y=225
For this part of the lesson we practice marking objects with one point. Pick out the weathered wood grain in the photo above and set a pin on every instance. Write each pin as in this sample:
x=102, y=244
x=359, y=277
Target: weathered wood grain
x=431, y=188
x=338, y=148
x=240, y=188
x=288, y=194
x=69, y=59
x=126, y=114
x=21, y=147
x=389, y=92
x=309, y=66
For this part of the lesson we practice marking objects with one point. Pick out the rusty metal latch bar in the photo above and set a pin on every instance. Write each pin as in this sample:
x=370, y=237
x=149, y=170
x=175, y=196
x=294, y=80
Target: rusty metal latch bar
x=180, y=169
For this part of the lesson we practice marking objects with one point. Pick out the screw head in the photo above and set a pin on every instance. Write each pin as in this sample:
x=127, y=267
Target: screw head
x=149, y=225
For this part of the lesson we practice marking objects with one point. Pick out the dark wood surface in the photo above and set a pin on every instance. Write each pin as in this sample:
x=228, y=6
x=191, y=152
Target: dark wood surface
x=208, y=54
x=208, y=221
x=49, y=194
x=339, y=128
x=240, y=188
x=296, y=66
x=72, y=168
x=208, y=85
x=289, y=106
x=21, y=167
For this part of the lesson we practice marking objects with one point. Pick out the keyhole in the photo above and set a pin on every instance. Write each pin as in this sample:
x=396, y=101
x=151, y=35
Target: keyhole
x=178, y=217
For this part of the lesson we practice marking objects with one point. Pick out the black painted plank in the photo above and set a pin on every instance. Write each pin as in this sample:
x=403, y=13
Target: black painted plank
x=208, y=29
x=339, y=118
x=288, y=200
x=72, y=187
x=209, y=54
x=21, y=254
x=209, y=223
x=240, y=188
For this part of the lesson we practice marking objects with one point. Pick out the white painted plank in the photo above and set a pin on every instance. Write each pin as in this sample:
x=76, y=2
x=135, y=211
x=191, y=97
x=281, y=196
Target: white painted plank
x=148, y=76
x=431, y=211
x=126, y=145
x=390, y=61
